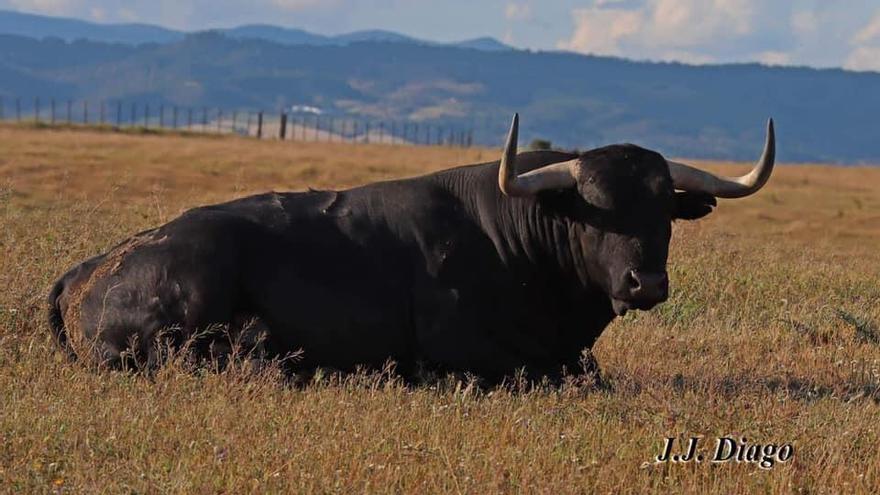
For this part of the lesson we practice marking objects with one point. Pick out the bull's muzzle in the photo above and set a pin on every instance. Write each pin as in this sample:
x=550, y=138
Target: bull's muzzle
x=641, y=290
x=649, y=287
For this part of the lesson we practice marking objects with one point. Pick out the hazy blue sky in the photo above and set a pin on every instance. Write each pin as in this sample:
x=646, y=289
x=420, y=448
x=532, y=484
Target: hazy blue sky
x=839, y=33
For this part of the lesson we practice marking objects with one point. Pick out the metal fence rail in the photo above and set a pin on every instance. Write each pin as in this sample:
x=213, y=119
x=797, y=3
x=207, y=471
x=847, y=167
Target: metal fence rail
x=280, y=125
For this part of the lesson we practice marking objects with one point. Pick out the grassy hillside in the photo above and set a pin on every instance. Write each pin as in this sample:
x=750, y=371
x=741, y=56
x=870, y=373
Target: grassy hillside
x=771, y=334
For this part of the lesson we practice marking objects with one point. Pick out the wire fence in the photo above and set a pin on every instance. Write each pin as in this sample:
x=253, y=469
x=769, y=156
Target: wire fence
x=281, y=125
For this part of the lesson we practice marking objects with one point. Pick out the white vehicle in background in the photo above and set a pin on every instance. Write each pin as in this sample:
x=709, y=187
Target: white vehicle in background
x=306, y=109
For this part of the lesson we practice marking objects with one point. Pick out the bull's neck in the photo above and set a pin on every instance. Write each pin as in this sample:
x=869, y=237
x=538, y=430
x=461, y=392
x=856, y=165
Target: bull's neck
x=543, y=241
x=526, y=238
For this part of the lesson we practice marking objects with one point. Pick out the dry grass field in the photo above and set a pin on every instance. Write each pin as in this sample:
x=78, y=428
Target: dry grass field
x=771, y=334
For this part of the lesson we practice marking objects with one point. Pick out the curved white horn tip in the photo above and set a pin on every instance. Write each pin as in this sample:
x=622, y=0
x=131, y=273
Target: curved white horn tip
x=510, y=147
x=770, y=143
x=514, y=128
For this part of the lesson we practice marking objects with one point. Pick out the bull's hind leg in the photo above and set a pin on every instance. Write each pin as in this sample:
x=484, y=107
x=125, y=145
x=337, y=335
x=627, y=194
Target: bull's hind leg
x=65, y=290
x=116, y=307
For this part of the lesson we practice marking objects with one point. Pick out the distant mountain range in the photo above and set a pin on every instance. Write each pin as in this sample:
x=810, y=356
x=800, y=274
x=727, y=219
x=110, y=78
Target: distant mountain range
x=574, y=100
x=40, y=27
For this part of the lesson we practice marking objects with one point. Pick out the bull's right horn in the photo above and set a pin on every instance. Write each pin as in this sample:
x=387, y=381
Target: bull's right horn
x=687, y=178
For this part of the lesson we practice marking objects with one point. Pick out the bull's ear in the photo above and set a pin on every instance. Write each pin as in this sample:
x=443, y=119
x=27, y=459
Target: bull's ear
x=693, y=205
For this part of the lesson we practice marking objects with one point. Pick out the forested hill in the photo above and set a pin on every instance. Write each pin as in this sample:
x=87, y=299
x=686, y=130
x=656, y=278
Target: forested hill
x=573, y=100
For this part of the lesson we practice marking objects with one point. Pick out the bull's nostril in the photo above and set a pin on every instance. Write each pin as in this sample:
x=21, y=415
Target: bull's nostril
x=634, y=283
x=648, y=285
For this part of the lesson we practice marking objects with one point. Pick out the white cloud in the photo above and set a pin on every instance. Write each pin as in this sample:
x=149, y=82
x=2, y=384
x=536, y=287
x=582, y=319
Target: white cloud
x=603, y=30
x=869, y=33
x=805, y=22
x=687, y=57
x=98, y=14
x=864, y=58
x=717, y=31
x=773, y=58
x=127, y=15
x=664, y=29
x=56, y=7
x=518, y=12
x=508, y=38
x=865, y=54
x=297, y=5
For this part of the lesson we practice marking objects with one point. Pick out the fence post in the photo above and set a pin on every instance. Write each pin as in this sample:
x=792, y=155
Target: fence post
x=260, y=125
x=234, y=119
x=204, y=119
x=367, y=132
x=282, y=130
x=250, y=117
x=416, y=133
x=189, y=118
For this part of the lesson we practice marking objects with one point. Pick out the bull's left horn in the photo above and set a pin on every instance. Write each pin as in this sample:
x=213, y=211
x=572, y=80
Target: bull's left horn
x=687, y=178
x=554, y=176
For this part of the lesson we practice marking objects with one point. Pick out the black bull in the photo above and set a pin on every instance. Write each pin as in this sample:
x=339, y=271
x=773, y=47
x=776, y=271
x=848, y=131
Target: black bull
x=447, y=270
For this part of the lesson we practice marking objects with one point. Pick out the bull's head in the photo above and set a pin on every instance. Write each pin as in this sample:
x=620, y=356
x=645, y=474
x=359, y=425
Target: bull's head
x=622, y=201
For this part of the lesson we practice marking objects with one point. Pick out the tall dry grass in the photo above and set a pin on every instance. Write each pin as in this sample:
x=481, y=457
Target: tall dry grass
x=771, y=334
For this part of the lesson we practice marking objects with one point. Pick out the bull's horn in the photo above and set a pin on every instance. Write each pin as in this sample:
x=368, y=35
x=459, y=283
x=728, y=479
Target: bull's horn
x=687, y=178
x=554, y=176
